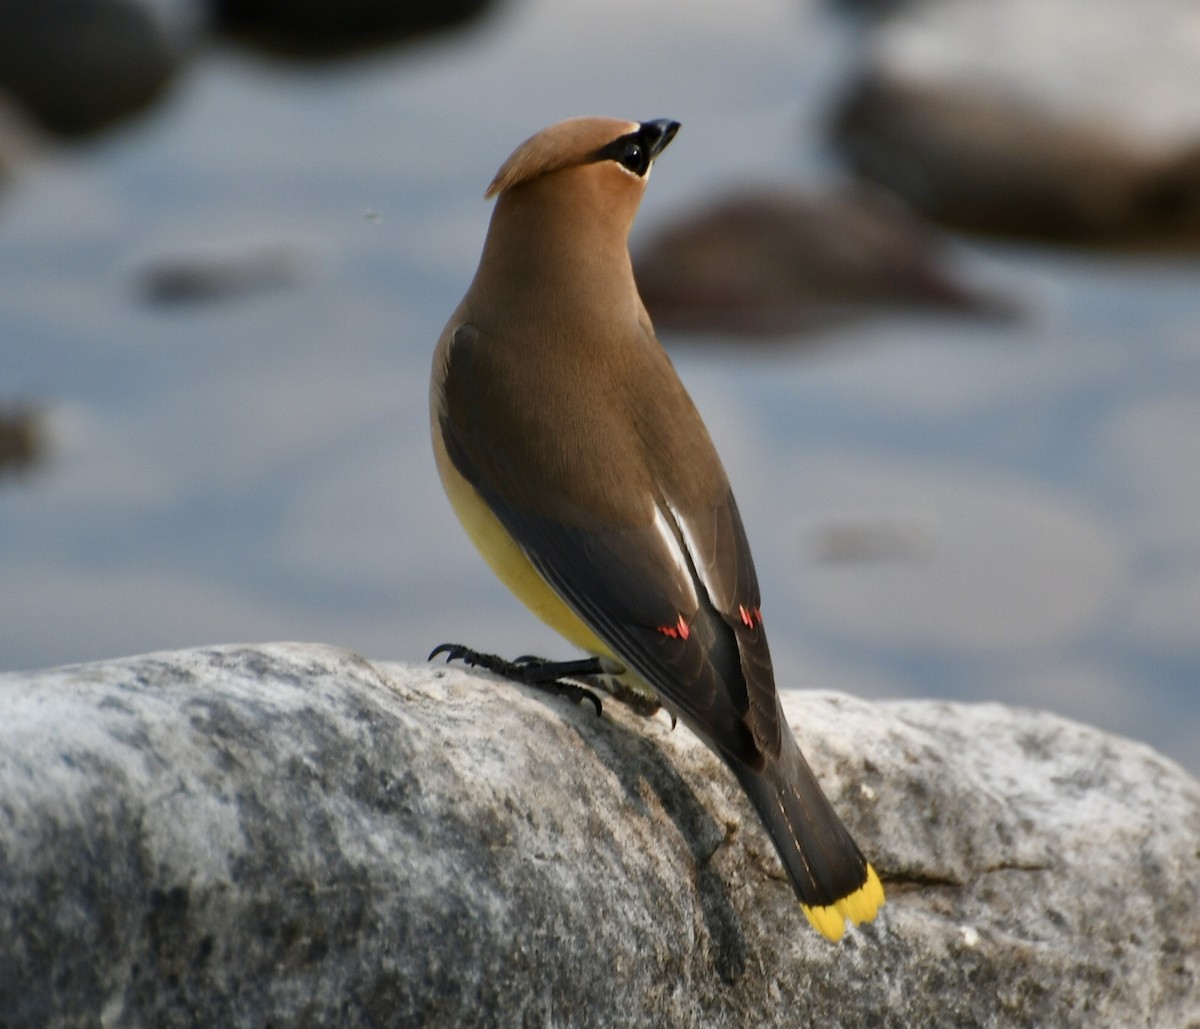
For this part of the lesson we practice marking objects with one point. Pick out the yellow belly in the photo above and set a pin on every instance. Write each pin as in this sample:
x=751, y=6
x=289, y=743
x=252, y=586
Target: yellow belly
x=507, y=559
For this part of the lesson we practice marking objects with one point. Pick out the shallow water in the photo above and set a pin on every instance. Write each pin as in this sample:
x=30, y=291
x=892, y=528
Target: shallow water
x=937, y=507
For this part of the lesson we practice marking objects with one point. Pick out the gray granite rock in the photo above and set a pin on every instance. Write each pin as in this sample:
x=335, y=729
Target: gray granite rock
x=1069, y=119
x=290, y=835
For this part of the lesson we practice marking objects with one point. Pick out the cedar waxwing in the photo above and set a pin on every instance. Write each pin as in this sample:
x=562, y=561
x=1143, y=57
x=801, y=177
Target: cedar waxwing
x=581, y=470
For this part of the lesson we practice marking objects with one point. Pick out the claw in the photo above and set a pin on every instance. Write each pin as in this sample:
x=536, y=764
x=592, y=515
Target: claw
x=451, y=650
x=579, y=693
x=554, y=676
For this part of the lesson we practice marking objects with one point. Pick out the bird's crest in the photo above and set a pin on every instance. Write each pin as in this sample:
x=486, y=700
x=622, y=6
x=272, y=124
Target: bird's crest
x=571, y=142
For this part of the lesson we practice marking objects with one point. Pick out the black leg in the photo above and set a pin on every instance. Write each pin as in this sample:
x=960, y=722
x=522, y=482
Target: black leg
x=554, y=676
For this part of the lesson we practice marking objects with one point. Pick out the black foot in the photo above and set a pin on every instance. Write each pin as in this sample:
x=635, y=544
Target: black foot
x=636, y=700
x=554, y=676
x=601, y=678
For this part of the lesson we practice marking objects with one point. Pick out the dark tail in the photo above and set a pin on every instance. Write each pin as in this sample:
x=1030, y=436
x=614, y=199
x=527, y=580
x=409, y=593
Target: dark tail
x=828, y=872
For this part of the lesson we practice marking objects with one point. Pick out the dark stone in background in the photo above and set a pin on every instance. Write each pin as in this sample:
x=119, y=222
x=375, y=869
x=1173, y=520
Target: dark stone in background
x=79, y=65
x=776, y=261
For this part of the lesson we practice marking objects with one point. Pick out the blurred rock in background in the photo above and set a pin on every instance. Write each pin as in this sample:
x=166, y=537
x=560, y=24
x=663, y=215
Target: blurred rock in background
x=329, y=28
x=1070, y=120
x=21, y=439
x=226, y=268
x=20, y=140
x=773, y=261
x=76, y=66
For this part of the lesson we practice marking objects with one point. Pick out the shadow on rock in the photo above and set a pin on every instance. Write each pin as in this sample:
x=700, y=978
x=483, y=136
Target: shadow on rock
x=640, y=766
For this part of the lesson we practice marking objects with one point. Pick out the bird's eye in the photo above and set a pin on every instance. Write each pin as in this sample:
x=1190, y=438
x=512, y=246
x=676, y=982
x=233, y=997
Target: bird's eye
x=630, y=152
x=633, y=157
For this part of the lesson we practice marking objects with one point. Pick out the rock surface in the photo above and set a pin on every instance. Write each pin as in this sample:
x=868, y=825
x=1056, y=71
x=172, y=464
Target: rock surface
x=1069, y=119
x=290, y=835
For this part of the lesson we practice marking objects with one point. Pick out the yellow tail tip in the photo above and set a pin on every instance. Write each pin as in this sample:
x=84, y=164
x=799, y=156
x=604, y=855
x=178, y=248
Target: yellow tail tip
x=860, y=906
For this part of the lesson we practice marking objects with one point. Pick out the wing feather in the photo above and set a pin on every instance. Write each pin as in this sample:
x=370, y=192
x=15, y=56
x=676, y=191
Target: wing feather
x=655, y=555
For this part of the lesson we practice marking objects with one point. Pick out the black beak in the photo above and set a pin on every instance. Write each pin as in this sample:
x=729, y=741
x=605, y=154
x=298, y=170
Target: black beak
x=657, y=134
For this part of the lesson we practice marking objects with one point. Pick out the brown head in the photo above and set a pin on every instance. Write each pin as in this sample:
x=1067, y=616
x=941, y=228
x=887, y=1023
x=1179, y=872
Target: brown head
x=571, y=191
x=566, y=200
x=580, y=142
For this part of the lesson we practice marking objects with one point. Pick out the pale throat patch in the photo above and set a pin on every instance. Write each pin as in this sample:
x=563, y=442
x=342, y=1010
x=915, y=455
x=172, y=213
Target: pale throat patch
x=634, y=175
